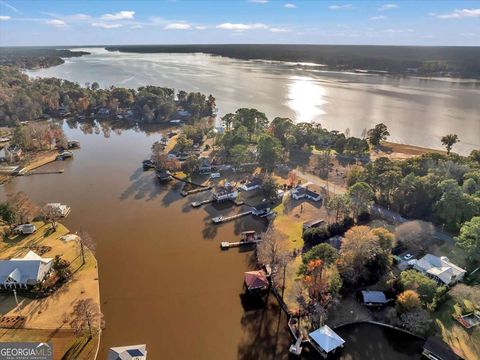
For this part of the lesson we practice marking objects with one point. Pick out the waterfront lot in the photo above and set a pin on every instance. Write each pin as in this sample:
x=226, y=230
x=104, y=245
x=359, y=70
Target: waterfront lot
x=47, y=319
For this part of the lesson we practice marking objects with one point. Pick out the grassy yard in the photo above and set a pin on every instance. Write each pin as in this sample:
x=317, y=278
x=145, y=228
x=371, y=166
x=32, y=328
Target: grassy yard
x=288, y=226
x=465, y=340
x=47, y=319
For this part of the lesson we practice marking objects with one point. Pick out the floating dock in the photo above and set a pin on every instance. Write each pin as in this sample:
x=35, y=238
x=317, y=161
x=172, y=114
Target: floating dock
x=222, y=219
x=227, y=245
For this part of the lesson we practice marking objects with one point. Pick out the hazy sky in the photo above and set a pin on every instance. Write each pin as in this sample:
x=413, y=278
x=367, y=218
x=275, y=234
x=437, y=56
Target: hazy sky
x=92, y=22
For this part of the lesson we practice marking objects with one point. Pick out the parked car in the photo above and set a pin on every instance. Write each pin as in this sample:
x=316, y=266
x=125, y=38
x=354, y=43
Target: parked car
x=408, y=256
x=25, y=229
x=214, y=175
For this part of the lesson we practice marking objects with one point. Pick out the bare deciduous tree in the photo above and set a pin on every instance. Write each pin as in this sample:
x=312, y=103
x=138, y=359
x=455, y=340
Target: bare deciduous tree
x=272, y=250
x=51, y=215
x=86, y=318
x=415, y=235
x=25, y=209
x=86, y=242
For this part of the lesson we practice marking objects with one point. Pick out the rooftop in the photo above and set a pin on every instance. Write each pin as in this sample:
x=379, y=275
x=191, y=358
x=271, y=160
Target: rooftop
x=440, y=267
x=326, y=338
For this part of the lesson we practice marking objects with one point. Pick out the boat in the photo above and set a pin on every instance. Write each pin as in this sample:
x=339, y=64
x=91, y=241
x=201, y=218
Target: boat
x=218, y=219
x=64, y=155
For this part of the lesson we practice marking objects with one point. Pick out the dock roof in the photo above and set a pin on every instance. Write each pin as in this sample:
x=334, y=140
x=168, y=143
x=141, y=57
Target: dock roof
x=326, y=338
x=256, y=279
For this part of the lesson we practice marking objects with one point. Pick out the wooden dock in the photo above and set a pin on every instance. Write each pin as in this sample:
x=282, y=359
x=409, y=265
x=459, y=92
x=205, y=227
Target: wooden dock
x=30, y=173
x=227, y=245
x=222, y=219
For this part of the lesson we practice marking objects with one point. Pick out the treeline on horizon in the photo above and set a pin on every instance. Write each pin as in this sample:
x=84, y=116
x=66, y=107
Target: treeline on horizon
x=35, y=57
x=25, y=99
x=448, y=60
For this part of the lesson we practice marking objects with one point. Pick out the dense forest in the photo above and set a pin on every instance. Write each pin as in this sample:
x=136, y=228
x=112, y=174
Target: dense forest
x=25, y=99
x=447, y=60
x=31, y=58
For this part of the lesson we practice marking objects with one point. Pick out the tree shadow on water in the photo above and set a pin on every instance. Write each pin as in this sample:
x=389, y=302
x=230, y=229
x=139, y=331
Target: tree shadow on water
x=143, y=186
x=264, y=328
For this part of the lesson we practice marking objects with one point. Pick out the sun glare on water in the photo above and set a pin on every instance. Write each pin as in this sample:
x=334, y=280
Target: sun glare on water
x=306, y=98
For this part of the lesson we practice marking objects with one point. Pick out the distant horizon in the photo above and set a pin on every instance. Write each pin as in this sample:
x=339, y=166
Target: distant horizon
x=376, y=23
x=218, y=44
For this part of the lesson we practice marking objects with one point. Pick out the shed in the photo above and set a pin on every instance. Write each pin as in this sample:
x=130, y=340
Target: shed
x=373, y=298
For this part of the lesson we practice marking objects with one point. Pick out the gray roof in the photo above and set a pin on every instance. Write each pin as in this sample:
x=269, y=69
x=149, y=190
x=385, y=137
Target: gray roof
x=128, y=352
x=28, y=270
x=376, y=297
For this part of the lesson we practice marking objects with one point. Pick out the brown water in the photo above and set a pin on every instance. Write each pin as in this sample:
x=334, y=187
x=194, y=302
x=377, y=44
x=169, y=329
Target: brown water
x=416, y=111
x=163, y=279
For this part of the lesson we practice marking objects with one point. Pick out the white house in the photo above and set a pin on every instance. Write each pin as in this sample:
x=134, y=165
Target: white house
x=226, y=192
x=132, y=352
x=253, y=184
x=439, y=268
x=23, y=272
x=301, y=192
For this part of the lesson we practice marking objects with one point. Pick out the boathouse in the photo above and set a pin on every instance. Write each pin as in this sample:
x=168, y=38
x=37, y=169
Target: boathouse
x=325, y=340
x=132, y=352
x=436, y=349
x=226, y=192
x=24, y=272
x=256, y=281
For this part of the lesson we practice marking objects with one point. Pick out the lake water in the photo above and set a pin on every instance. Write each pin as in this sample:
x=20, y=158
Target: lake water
x=416, y=111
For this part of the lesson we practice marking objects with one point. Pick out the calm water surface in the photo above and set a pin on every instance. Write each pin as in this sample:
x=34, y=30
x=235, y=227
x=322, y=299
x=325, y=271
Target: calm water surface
x=416, y=111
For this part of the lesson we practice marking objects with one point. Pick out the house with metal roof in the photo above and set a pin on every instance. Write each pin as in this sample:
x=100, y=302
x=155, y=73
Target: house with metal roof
x=325, y=340
x=440, y=269
x=132, y=352
x=24, y=272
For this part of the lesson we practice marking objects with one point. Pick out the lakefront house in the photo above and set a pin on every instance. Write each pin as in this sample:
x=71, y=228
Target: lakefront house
x=24, y=272
x=225, y=192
